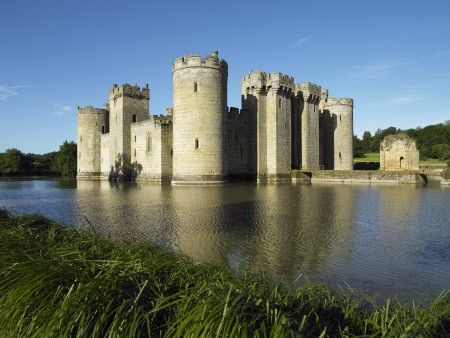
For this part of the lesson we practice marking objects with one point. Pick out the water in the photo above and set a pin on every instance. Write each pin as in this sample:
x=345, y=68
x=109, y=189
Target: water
x=388, y=239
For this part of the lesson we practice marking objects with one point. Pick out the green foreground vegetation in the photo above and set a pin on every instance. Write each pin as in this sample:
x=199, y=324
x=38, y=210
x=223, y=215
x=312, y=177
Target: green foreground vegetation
x=57, y=281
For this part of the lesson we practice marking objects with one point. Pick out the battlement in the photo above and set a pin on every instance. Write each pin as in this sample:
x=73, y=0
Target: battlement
x=324, y=94
x=91, y=110
x=332, y=101
x=262, y=80
x=129, y=90
x=196, y=61
x=236, y=113
x=161, y=119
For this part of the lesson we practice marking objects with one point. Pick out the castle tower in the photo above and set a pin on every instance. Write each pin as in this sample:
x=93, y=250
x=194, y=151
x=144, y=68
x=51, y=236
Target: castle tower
x=338, y=123
x=267, y=98
x=310, y=93
x=128, y=104
x=92, y=123
x=199, y=119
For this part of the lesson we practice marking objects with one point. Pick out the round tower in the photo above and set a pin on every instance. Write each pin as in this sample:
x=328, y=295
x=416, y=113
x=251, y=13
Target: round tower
x=339, y=133
x=92, y=123
x=199, y=119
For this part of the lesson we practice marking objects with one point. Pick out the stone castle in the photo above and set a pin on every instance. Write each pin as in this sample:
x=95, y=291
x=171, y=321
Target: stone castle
x=281, y=126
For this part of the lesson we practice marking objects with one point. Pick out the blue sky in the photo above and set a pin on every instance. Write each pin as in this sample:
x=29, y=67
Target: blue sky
x=391, y=57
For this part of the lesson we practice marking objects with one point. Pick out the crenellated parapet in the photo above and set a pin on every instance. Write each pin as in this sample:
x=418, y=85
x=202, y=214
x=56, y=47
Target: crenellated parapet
x=92, y=111
x=309, y=91
x=278, y=82
x=127, y=90
x=237, y=114
x=195, y=61
x=344, y=101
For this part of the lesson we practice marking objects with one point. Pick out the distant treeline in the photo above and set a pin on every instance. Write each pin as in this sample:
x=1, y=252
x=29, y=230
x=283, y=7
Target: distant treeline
x=433, y=141
x=62, y=162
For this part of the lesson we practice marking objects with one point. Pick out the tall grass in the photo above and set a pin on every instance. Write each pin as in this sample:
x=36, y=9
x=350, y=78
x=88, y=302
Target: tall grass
x=56, y=281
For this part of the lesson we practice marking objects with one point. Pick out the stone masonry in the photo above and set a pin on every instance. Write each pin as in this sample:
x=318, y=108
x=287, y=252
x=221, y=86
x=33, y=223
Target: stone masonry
x=399, y=152
x=281, y=126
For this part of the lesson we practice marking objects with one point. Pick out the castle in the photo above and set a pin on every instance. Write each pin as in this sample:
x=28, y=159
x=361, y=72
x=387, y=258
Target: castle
x=281, y=126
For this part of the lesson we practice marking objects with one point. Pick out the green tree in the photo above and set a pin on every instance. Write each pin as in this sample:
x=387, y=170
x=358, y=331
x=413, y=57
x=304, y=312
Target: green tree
x=441, y=151
x=380, y=134
x=358, y=150
x=366, y=141
x=66, y=159
x=11, y=161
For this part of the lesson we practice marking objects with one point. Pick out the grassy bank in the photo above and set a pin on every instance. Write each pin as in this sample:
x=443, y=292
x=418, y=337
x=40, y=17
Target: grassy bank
x=56, y=281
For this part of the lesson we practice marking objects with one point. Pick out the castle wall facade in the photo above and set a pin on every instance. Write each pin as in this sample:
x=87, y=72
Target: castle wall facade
x=399, y=152
x=281, y=126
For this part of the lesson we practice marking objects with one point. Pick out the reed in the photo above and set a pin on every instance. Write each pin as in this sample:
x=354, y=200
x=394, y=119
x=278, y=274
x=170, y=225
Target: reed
x=57, y=281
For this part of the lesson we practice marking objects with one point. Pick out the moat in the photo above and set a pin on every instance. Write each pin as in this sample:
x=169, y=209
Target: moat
x=391, y=239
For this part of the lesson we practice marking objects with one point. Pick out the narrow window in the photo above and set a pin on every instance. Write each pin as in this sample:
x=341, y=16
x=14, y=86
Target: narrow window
x=340, y=118
x=340, y=156
x=149, y=142
x=103, y=129
x=236, y=136
x=171, y=152
x=279, y=103
x=134, y=118
x=81, y=138
x=134, y=138
x=196, y=143
x=134, y=152
x=241, y=153
x=195, y=86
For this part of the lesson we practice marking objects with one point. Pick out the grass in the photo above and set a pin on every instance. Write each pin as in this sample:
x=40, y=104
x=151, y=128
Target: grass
x=368, y=157
x=375, y=157
x=57, y=281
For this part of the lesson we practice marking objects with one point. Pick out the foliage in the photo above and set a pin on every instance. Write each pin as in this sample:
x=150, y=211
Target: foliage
x=432, y=141
x=56, y=281
x=441, y=151
x=13, y=161
x=358, y=149
x=66, y=159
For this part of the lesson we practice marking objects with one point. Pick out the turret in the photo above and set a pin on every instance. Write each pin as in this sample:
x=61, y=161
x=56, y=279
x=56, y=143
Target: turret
x=92, y=123
x=128, y=104
x=338, y=122
x=199, y=119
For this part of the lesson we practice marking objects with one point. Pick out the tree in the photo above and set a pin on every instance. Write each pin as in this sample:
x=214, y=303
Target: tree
x=358, y=150
x=441, y=151
x=11, y=161
x=366, y=141
x=66, y=159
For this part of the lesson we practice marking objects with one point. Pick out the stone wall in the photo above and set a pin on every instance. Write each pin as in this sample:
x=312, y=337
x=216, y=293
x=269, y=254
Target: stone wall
x=151, y=144
x=399, y=152
x=199, y=119
x=105, y=163
x=237, y=142
x=359, y=176
x=92, y=122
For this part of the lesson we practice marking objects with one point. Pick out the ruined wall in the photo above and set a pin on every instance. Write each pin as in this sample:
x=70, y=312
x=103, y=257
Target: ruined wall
x=309, y=124
x=237, y=142
x=128, y=104
x=151, y=144
x=399, y=152
x=92, y=122
x=338, y=137
x=199, y=119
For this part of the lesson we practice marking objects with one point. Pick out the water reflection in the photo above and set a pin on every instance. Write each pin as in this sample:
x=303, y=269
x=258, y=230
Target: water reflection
x=392, y=237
